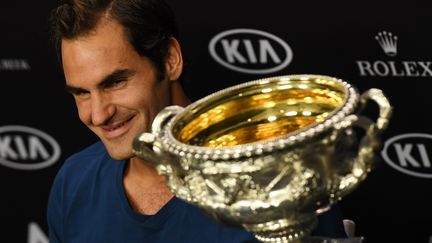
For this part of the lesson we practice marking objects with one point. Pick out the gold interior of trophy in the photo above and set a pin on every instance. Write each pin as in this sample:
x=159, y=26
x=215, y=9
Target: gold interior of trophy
x=259, y=111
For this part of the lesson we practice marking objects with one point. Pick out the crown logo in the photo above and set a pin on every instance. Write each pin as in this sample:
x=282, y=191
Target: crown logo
x=388, y=42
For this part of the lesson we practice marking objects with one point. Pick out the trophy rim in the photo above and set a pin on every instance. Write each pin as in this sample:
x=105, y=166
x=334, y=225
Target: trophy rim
x=258, y=148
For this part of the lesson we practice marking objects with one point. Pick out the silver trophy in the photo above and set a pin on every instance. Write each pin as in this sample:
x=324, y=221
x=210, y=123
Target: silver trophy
x=268, y=155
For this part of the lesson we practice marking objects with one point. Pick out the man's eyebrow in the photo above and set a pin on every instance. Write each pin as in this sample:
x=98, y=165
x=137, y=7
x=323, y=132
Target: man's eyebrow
x=106, y=81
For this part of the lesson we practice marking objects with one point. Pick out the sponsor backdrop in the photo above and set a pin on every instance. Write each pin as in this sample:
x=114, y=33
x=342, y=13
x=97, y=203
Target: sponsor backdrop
x=371, y=44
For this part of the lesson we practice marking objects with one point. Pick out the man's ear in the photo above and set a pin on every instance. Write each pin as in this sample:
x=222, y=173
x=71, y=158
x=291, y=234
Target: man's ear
x=174, y=60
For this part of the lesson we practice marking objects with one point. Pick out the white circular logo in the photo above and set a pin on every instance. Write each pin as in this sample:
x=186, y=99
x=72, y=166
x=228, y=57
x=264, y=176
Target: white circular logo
x=408, y=154
x=250, y=51
x=26, y=148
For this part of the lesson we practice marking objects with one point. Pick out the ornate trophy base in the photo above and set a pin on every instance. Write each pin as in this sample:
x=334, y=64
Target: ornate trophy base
x=313, y=239
x=283, y=230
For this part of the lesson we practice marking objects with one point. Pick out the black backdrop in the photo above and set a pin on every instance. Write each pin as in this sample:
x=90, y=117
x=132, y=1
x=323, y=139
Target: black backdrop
x=226, y=43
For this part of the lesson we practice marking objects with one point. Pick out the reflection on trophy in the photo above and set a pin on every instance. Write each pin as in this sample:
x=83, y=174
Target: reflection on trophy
x=268, y=155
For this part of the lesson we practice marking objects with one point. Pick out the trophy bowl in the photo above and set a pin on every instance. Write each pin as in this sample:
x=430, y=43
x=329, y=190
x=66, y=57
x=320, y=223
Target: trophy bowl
x=268, y=155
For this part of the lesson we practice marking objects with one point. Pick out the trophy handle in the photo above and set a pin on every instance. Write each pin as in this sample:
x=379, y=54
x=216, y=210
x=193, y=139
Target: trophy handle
x=385, y=109
x=148, y=146
x=369, y=143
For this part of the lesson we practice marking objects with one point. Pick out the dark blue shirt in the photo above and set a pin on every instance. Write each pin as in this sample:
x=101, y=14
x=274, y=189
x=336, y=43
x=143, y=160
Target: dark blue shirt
x=88, y=204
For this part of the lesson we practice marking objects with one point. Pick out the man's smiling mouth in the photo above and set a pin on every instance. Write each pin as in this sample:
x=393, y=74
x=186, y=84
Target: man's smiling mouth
x=115, y=130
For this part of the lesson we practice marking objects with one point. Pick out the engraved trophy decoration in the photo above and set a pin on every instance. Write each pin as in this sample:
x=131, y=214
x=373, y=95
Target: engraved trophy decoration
x=268, y=155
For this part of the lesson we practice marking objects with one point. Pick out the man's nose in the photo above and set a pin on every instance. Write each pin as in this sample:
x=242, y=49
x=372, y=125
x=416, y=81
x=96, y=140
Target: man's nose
x=102, y=110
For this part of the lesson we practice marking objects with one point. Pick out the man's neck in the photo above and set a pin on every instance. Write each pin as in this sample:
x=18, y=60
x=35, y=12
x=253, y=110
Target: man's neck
x=145, y=188
x=140, y=169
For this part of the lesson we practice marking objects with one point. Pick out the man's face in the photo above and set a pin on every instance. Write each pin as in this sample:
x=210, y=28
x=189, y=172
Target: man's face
x=115, y=90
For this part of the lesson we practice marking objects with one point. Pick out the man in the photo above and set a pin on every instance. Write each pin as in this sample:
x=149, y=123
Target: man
x=122, y=64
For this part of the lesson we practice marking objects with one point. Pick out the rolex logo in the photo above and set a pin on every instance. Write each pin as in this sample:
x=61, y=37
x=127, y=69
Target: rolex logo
x=393, y=67
x=388, y=42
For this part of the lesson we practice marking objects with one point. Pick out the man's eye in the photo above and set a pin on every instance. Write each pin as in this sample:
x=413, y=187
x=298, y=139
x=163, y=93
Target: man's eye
x=79, y=93
x=115, y=83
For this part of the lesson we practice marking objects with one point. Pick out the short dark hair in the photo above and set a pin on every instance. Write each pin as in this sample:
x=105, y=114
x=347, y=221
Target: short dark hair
x=149, y=24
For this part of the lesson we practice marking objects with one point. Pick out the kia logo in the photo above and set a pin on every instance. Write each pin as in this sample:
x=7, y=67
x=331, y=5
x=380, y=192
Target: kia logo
x=26, y=148
x=409, y=154
x=250, y=51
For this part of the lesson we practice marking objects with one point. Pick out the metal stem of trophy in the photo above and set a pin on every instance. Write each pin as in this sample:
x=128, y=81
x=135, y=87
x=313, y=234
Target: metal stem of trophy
x=268, y=155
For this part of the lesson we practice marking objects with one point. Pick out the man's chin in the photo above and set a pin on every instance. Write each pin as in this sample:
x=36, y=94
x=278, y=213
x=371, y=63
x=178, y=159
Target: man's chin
x=120, y=156
x=118, y=153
